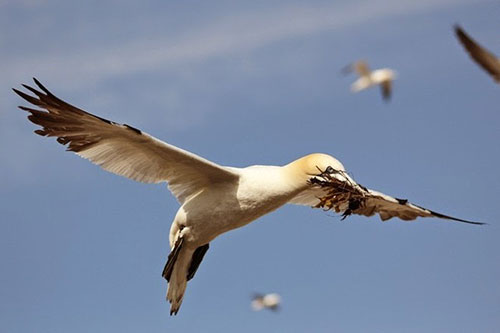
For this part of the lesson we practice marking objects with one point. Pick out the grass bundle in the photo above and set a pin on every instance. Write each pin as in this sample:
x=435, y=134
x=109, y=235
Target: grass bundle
x=342, y=195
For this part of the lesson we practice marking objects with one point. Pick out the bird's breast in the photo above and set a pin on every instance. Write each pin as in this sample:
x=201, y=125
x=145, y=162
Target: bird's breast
x=224, y=207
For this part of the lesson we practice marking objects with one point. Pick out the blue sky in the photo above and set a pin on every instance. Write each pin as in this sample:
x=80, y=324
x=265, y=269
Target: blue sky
x=245, y=83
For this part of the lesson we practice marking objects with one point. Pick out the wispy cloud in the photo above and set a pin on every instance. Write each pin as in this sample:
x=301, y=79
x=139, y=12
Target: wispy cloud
x=240, y=33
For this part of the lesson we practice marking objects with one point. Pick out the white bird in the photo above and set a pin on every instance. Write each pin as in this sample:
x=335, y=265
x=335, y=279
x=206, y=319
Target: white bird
x=214, y=199
x=268, y=301
x=367, y=78
x=487, y=60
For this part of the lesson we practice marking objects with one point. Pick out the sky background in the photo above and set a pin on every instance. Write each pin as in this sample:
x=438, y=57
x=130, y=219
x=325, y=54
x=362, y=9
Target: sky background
x=242, y=83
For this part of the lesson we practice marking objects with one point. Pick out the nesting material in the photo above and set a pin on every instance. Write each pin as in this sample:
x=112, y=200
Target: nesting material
x=343, y=195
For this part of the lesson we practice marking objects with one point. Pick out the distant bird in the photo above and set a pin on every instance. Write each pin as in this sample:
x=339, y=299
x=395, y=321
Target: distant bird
x=214, y=199
x=487, y=60
x=367, y=78
x=268, y=301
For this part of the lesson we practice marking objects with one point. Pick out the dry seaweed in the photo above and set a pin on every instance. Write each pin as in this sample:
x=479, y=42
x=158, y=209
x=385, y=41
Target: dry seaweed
x=342, y=195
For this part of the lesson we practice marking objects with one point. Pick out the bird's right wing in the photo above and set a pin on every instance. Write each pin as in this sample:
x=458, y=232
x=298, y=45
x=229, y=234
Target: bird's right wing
x=388, y=207
x=340, y=193
x=487, y=60
x=122, y=149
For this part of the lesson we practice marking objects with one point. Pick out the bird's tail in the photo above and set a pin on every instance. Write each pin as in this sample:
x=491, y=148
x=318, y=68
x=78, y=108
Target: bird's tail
x=178, y=279
x=181, y=266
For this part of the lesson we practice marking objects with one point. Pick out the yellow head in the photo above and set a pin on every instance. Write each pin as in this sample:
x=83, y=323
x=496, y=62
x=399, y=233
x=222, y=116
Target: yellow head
x=312, y=165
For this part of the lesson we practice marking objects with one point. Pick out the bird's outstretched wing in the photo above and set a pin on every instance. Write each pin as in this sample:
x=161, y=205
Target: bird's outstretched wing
x=338, y=192
x=360, y=67
x=120, y=148
x=487, y=60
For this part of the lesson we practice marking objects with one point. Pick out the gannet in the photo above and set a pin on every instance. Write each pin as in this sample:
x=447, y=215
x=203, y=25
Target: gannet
x=267, y=301
x=487, y=60
x=367, y=78
x=214, y=199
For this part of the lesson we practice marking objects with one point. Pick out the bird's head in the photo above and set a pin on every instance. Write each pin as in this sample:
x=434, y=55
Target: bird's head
x=305, y=168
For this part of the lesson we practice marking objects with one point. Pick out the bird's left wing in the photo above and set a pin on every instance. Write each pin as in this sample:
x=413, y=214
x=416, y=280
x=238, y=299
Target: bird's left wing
x=120, y=148
x=340, y=193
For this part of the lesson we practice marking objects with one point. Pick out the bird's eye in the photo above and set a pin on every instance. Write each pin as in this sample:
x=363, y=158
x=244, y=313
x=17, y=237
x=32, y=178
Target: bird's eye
x=329, y=170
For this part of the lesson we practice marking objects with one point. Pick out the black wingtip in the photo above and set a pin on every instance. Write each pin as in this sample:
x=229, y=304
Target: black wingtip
x=463, y=37
x=458, y=30
x=41, y=86
x=30, y=99
x=456, y=219
x=17, y=92
x=470, y=222
x=25, y=108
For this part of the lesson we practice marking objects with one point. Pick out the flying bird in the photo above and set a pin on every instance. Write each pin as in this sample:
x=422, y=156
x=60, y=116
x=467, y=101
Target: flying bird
x=487, y=60
x=214, y=199
x=367, y=78
x=267, y=301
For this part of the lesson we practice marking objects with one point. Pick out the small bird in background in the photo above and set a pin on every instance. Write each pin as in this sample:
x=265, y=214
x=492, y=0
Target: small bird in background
x=487, y=60
x=267, y=301
x=368, y=78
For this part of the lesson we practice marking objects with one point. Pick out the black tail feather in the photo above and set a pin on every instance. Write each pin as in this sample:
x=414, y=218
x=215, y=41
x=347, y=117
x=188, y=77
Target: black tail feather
x=172, y=257
x=198, y=255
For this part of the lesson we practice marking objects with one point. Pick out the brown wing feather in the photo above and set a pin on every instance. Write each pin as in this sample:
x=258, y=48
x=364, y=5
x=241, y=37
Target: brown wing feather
x=487, y=60
x=362, y=68
x=120, y=148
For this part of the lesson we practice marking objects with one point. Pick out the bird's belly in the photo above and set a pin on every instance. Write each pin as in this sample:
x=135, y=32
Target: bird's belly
x=361, y=84
x=210, y=214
